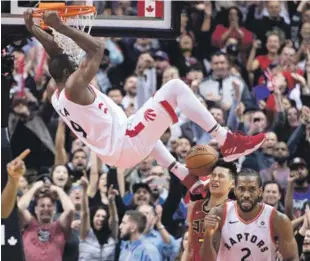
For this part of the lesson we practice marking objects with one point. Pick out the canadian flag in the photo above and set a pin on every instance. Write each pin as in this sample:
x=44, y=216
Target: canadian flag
x=150, y=8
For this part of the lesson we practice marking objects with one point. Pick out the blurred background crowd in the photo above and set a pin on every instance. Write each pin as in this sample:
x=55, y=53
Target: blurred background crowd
x=226, y=53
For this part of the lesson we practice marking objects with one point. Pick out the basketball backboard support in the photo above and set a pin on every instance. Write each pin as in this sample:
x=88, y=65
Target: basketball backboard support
x=147, y=19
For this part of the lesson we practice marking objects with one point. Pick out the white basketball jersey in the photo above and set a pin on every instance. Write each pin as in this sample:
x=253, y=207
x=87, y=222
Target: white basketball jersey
x=100, y=125
x=247, y=241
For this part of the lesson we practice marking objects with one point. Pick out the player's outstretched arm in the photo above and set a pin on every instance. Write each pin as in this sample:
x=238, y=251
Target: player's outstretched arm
x=284, y=231
x=43, y=37
x=212, y=235
x=93, y=47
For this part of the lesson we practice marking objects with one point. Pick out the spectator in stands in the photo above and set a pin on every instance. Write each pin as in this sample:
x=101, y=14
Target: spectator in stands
x=42, y=237
x=272, y=195
x=232, y=27
x=218, y=87
x=269, y=23
x=131, y=230
x=260, y=63
x=279, y=171
x=130, y=87
x=298, y=189
x=164, y=242
x=263, y=158
x=98, y=233
x=60, y=177
x=116, y=95
x=183, y=248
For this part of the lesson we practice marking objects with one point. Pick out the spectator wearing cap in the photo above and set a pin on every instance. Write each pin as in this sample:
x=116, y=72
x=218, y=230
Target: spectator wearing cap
x=237, y=58
x=164, y=242
x=141, y=194
x=232, y=27
x=162, y=62
x=218, y=88
x=43, y=238
x=299, y=141
x=298, y=189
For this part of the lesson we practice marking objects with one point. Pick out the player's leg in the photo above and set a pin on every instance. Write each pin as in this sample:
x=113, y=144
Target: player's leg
x=233, y=146
x=162, y=155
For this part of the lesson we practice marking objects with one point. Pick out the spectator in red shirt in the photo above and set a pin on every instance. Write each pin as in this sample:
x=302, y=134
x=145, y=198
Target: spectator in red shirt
x=232, y=28
x=273, y=45
x=44, y=239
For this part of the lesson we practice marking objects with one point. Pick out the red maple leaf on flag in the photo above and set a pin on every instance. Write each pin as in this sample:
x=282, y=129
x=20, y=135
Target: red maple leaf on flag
x=149, y=9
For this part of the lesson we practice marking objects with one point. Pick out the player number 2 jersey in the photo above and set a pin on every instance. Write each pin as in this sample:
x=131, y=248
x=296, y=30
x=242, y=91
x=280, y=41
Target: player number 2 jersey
x=247, y=241
x=100, y=125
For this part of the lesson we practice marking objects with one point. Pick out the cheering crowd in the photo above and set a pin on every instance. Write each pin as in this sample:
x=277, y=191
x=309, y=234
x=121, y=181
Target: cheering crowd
x=246, y=61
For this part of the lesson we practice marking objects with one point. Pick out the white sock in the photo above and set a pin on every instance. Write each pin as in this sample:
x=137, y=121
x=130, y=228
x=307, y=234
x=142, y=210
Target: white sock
x=179, y=170
x=164, y=158
x=220, y=134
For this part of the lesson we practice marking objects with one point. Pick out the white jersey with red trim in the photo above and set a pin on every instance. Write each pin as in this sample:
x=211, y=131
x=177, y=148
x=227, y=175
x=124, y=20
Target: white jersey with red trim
x=247, y=241
x=100, y=125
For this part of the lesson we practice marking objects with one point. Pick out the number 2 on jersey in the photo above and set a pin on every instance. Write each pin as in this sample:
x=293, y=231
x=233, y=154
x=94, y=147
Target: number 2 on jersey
x=247, y=254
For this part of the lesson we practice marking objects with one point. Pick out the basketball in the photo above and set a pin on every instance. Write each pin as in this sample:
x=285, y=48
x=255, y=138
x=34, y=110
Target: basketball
x=200, y=159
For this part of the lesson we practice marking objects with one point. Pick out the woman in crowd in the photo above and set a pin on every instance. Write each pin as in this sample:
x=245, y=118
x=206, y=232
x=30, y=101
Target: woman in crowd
x=99, y=228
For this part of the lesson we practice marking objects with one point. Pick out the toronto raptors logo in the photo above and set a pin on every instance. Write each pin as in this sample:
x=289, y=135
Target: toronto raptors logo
x=100, y=105
x=149, y=115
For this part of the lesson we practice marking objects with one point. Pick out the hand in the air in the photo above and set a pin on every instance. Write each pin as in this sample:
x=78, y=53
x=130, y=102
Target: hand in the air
x=16, y=168
x=28, y=19
x=112, y=193
x=52, y=19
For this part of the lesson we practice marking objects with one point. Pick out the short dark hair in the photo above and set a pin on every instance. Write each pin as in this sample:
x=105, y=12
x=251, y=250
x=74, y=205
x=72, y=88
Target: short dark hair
x=76, y=151
x=58, y=64
x=45, y=194
x=270, y=182
x=115, y=89
x=250, y=173
x=227, y=165
x=149, y=205
x=138, y=218
x=219, y=53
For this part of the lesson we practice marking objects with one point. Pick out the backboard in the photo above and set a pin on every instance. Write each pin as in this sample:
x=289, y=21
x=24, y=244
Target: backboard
x=143, y=18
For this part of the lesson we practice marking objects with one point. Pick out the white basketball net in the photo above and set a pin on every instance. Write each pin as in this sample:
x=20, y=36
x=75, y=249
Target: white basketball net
x=80, y=22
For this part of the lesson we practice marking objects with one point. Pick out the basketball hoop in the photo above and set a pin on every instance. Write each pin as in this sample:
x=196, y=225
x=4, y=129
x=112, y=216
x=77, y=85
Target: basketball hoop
x=78, y=16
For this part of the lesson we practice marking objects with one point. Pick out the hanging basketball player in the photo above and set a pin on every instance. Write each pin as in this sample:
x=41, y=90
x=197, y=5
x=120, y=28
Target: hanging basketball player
x=103, y=126
x=247, y=229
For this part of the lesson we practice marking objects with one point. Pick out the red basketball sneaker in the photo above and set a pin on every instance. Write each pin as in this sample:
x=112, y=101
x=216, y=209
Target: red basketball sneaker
x=237, y=145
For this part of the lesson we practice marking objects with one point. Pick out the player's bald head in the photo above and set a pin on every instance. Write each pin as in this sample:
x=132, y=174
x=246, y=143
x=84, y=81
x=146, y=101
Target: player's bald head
x=61, y=67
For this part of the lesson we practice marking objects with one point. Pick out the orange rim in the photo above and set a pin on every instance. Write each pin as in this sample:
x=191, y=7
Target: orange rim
x=65, y=11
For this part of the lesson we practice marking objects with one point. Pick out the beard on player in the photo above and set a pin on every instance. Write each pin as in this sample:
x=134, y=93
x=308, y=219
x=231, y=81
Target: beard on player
x=247, y=204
